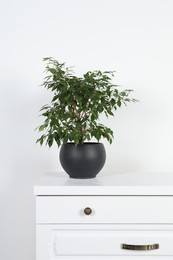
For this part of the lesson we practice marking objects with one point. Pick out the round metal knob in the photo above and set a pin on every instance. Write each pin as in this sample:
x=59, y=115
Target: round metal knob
x=87, y=211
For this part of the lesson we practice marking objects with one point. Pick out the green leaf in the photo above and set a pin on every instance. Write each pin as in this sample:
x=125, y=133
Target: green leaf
x=50, y=140
x=41, y=128
x=110, y=112
x=113, y=102
x=55, y=98
x=119, y=102
x=41, y=140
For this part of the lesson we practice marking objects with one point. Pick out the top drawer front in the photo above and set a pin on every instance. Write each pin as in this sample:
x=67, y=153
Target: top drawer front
x=105, y=209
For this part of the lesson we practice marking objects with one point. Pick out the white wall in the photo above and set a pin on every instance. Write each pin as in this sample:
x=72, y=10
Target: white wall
x=133, y=37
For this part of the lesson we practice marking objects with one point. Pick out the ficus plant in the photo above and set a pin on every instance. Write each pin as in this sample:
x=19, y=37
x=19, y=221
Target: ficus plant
x=74, y=111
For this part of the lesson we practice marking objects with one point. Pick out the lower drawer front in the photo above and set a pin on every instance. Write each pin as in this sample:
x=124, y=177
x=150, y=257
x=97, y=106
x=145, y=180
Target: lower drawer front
x=93, y=241
x=110, y=242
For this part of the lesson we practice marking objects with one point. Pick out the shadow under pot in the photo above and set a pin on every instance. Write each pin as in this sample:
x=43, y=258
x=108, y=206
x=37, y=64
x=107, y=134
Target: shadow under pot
x=82, y=161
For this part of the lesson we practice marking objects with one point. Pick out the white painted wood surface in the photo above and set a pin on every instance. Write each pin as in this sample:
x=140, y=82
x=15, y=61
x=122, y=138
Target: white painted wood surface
x=98, y=240
x=105, y=209
x=132, y=208
x=107, y=184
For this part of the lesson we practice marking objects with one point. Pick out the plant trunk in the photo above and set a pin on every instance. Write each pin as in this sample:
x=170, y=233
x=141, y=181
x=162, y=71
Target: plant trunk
x=81, y=141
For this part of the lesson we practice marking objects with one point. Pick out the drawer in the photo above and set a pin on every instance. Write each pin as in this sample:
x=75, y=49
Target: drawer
x=105, y=209
x=107, y=240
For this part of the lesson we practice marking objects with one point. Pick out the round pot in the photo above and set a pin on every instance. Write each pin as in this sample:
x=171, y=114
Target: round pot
x=82, y=161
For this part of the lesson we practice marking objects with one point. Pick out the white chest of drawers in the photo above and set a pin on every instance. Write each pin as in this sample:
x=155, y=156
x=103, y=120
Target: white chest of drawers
x=127, y=216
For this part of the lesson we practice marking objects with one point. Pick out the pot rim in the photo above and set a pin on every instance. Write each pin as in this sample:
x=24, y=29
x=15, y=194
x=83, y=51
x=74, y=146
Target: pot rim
x=83, y=143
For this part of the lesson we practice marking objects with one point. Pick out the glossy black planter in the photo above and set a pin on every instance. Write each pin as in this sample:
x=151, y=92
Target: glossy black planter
x=82, y=161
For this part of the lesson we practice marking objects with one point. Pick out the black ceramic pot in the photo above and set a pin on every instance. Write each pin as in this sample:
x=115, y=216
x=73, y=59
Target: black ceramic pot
x=82, y=161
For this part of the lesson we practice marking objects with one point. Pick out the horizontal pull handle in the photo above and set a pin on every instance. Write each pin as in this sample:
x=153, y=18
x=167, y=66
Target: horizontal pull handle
x=140, y=247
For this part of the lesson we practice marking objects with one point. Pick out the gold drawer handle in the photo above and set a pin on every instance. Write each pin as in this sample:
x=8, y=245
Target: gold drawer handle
x=139, y=247
x=87, y=211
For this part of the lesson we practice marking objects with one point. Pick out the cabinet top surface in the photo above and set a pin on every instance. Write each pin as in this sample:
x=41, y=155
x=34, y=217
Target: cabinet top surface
x=138, y=183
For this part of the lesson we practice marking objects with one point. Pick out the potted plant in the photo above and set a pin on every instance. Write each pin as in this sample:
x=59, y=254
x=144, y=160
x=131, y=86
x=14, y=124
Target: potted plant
x=72, y=117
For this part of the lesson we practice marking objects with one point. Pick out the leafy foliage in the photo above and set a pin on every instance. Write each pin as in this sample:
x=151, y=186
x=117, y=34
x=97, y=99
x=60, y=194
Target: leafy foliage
x=77, y=103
